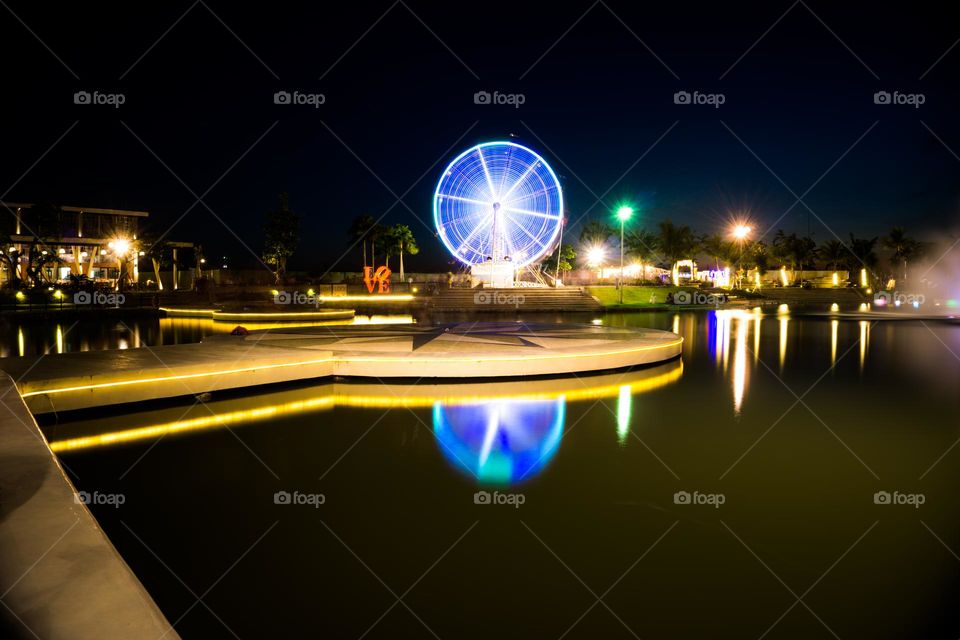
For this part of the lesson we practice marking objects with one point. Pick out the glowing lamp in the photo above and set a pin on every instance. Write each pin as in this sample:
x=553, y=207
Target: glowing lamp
x=741, y=231
x=595, y=256
x=624, y=213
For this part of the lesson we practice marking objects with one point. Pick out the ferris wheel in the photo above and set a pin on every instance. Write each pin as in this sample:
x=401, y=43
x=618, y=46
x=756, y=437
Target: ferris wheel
x=500, y=202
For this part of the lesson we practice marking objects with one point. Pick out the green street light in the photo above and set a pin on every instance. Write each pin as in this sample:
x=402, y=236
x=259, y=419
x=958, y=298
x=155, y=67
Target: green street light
x=624, y=213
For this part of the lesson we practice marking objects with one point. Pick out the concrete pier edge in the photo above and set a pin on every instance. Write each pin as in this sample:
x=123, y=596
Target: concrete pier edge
x=60, y=576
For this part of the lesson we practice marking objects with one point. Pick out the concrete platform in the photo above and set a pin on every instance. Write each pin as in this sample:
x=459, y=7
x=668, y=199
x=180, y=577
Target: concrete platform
x=464, y=350
x=235, y=411
x=60, y=577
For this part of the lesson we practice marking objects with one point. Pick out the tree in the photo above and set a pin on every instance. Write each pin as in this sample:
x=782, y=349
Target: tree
x=902, y=247
x=360, y=232
x=281, y=237
x=862, y=253
x=566, y=254
x=398, y=240
x=9, y=259
x=804, y=252
x=758, y=257
x=44, y=221
x=595, y=233
x=675, y=242
x=718, y=249
x=834, y=254
x=376, y=234
x=156, y=250
x=782, y=248
x=642, y=245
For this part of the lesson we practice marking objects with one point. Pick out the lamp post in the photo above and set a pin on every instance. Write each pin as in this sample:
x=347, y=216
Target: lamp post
x=623, y=214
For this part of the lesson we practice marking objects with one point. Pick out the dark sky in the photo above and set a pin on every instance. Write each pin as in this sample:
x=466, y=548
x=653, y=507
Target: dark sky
x=399, y=105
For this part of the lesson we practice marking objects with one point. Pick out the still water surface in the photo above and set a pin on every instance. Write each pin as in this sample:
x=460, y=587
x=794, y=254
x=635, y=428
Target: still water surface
x=732, y=493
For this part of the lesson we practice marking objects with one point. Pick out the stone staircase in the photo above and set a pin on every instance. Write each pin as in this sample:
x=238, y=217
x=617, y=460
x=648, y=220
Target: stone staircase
x=526, y=299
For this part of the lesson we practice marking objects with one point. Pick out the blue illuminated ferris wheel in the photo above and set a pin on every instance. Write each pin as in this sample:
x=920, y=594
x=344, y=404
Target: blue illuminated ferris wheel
x=500, y=202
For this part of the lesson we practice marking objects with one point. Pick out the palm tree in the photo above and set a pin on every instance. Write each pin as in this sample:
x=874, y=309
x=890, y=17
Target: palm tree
x=642, y=245
x=834, y=254
x=595, y=233
x=360, y=231
x=377, y=233
x=717, y=248
x=675, y=242
x=804, y=252
x=402, y=240
x=902, y=246
x=781, y=248
x=862, y=253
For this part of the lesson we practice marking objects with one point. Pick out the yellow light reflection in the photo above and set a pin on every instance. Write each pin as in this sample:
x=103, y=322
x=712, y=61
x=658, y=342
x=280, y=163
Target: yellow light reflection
x=740, y=365
x=864, y=342
x=225, y=413
x=757, y=318
x=20, y=341
x=834, y=327
x=784, y=323
x=59, y=339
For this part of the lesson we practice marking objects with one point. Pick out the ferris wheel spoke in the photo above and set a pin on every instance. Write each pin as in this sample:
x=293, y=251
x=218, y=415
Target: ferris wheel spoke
x=467, y=200
x=470, y=236
x=528, y=196
x=533, y=166
x=535, y=214
x=486, y=172
x=529, y=235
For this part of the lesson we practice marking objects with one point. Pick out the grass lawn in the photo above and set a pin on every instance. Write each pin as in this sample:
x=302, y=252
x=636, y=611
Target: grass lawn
x=634, y=297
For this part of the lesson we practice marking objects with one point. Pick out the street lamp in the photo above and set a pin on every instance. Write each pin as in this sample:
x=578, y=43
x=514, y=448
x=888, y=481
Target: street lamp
x=624, y=213
x=595, y=256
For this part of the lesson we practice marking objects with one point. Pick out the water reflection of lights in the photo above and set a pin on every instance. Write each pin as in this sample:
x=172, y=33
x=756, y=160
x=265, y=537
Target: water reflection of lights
x=209, y=326
x=864, y=342
x=740, y=365
x=784, y=327
x=216, y=414
x=834, y=328
x=500, y=441
x=624, y=410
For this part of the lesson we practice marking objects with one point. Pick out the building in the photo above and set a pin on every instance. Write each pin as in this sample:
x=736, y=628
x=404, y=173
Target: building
x=49, y=243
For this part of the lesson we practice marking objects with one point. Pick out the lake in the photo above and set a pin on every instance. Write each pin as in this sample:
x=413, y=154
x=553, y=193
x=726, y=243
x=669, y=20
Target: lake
x=789, y=476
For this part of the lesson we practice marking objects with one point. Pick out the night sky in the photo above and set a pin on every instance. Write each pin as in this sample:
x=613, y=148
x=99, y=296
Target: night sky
x=598, y=81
